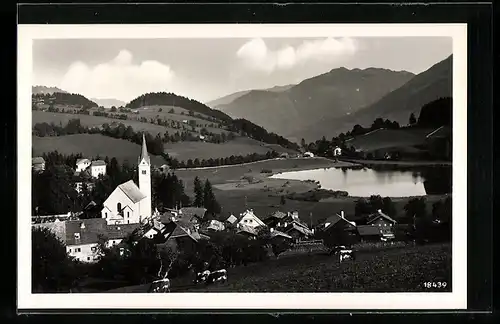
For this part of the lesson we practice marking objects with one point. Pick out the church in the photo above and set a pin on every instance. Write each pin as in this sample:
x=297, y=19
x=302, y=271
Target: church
x=129, y=204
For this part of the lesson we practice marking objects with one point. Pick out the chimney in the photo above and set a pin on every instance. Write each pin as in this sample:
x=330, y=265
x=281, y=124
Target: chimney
x=271, y=230
x=379, y=211
x=342, y=213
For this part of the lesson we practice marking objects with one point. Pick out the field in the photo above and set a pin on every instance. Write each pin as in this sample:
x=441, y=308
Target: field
x=401, y=269
x=95, y=121
x=201, y=150
x=384, y=138
x=91, y=145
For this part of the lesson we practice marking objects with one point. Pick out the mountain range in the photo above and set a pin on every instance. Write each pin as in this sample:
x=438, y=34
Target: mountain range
x=108, y=102
x=397, y=105
x=337, y=93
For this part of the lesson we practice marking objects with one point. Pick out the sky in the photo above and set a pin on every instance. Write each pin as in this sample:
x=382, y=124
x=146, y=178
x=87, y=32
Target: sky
x=207, y=69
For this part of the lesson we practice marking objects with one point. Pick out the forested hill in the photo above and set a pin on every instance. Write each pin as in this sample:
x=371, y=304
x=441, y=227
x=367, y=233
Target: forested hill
x=242, y=126
x=171, y=99
x=258, y=133
x=64, y=98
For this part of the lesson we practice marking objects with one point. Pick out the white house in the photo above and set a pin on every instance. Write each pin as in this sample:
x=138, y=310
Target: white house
x=128, y=203
x=82, y=164
x=97, y=168
x=308, y=154
x=337, y=151
x=249, y=219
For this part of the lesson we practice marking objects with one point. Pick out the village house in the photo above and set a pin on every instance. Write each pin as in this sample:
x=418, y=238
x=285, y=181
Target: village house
x=298, y=231
x=97, y=168
x=338, y=229
x=276, y=218
x=249, y=232
x=38, y=164
x=82, y=164
x=215, y=225
x=248, y=218
x=231, y=221
x=128, y=203
x=369, y=233
x=383, y=222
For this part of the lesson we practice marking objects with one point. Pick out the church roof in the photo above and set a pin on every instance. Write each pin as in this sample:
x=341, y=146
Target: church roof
x=144, y=152
x=131, y=190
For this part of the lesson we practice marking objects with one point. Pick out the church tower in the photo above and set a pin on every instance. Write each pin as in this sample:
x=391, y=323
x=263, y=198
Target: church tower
x=144, y=168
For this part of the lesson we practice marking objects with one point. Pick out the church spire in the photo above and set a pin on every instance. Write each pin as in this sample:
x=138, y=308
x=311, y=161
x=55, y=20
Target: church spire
x=144, y=153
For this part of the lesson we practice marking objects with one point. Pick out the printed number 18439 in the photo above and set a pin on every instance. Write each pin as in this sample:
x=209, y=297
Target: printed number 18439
x=435, y=284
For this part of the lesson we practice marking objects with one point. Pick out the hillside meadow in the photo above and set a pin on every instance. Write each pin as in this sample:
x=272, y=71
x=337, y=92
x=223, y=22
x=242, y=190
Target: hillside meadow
x=91, y=145
x=401, y=269
x=96, y=121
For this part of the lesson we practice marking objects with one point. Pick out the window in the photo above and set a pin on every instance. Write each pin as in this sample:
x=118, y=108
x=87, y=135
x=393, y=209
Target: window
x=69, y=250
x=78, y=250
x=128, y=222
x=119, y=207
x=106, y=214
x=143, y=171
x=128, y=214
x=93, y=249
x=88, y=258
x=77, y=236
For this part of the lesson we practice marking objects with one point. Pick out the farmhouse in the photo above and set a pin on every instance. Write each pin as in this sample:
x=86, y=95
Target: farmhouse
x=248, y=218
x=338, y=229
x=231, y=220
x=298, y=231
x=215, y=225
x=97, y=168
x=384, y=222
x=248, y=231
x=82, y=164
x=38, y=164
x=129, y=204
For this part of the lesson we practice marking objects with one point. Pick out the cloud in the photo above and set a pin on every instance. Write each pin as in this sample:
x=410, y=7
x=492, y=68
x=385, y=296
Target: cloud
x=119, y=78
x=257, y=56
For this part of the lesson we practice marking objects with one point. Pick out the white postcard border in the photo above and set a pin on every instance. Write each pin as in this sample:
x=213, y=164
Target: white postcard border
x=457, y=299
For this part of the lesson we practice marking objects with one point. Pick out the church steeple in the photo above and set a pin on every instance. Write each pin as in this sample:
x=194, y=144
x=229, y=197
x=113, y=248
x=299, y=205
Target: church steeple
x=144, y=153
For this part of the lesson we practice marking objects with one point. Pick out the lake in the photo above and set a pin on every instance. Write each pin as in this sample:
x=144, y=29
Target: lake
x=386, y=183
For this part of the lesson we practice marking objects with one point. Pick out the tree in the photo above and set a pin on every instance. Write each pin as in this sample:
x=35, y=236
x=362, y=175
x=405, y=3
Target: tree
x=303, y=143
x=209, y=200
x=198, y=193
x=412, y=120
x=51, y=269
x=113, y=109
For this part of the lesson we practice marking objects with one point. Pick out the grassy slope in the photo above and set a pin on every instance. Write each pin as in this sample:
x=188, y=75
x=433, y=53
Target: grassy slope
x=91, y=145
x=382, y=138
x=201, y=150
x=394, y=270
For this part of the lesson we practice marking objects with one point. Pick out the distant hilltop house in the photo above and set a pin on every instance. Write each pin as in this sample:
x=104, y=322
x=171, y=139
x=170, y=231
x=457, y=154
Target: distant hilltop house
x=38, y=164
x=95, y=168
x=337, y=151
x=308, y=155
x=129, y=203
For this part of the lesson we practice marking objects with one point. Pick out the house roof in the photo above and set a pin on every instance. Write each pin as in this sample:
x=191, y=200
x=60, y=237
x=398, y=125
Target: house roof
x=278, y=214
x=334, y=219
x=82, y=161
x=120, y=231
x=215, y=225
x=37, y=160
x=166, y=217
x=279, y=233
x=131, y=190
x=247, y=229
x=299, y=227
x=180, y=231
x=367, y=230
x=193, y=211
x=231, y=219
x=93, y=227
x=380, y=214
x=98, y=163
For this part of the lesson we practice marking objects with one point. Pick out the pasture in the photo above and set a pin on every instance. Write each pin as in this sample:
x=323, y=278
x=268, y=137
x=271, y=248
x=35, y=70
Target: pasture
x=385, y=138
x=96, y=121
x=204, y=150
x=91, y=145
x=400, y=269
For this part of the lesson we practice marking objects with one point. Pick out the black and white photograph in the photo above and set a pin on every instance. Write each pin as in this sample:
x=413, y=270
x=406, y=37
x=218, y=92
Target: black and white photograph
x=186, y=160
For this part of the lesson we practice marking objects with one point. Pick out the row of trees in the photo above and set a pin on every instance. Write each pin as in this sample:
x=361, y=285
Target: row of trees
x=213, y=162
x=204, y=196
